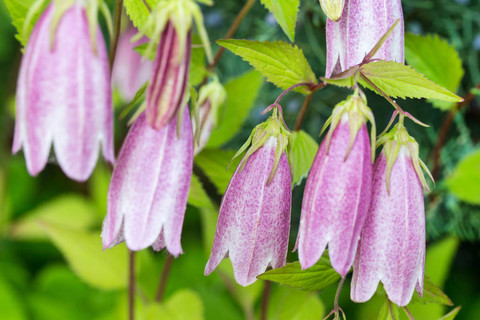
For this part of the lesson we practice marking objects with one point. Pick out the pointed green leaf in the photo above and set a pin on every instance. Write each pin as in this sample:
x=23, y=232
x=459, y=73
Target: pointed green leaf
x=437, y=60
x=452, y=314
x=464, y=182
x=285, y=12
x=293, y=304
x=400, y=81
x=281, y=63
x=11, y=302
x=304, y=149
x=83, y=252
x=389, y=308
x=314, y=278
x=18, y=10
x=432, y=294
x=241, y=95
x=183, y=305
x=138, y=12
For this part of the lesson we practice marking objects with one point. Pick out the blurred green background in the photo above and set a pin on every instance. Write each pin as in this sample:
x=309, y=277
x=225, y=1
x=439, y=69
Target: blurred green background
x=51, y=263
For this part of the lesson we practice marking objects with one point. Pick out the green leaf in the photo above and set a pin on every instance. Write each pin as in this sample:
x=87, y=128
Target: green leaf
x=464, y=182
x=432, y=294
x=437, y=60
x=452, y=314
x=389, y=308
x=98, y=186
x=138, y=12
x=183, y=305
x=142, y=49
x=197, y=196
x=314, y=278
x=198, y=70
x=400, y=81
x=69, y=211
x=241, y=95
x=10, y=302
x=285, y=12
x=281, y=63
x=18, y=10
x=83, y=252
x=214, y=164
x=304, y=149
x=293, y=304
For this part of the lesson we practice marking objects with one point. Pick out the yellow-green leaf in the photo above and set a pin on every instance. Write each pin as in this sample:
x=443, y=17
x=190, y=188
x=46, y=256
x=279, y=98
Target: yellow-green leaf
x=304, y=149
x=464, y=182
x=183, y=305
x=197, y=196
x=285, y=12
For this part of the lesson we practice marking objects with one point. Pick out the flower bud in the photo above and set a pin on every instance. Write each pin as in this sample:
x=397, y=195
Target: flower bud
x=64, y=94
x=392, y=244
x=148, y=193
x=332, y=8
x=130, y=70
x=338, y=189
x=359, y=29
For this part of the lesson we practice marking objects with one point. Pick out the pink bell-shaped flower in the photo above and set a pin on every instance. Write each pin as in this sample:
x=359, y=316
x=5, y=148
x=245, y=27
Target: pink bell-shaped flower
x=338, y=189
x=361, y=26
x=254, y=221
x=130, y=70
x=392, y=244
x=64, y=95
x=148, y=193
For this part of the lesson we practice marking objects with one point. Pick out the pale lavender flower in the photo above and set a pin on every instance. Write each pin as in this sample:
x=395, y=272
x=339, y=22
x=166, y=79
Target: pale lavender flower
x=130, y=70
x=64, y=96
x=254, y=220
x=361, y=26
x=166, y=91
x=148, y=193
x=338, y=190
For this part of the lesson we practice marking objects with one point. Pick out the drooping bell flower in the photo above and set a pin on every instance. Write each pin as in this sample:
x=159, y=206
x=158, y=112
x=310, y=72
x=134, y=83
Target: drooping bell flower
x=332, y=8
x=338, y=189
x=64, y=94
x=148, y=192
x=254, y=220
x=211, y=97
x=130, y=70
x=392, y=244
x=362, y=25
x=171, y=22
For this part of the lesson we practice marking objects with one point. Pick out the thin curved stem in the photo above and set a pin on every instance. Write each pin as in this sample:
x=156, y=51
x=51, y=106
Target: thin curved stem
x=265, y=298
x=131, y=285
x=116, y=35
x=303, y=111
x=164, y=278
x=280, y=97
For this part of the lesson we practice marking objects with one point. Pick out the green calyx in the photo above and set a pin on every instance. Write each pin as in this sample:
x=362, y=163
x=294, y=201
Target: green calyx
x=181, y=13
x=355, y=110
x=393, y=142
x=215, y=93
x=272, y=127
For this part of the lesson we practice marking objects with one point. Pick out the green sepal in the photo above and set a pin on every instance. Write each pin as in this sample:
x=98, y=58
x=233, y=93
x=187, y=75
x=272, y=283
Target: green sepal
x=33, y=12
x=59, y=8
x=216, y=94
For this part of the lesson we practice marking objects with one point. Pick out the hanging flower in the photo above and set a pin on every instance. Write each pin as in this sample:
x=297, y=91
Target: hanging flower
x=392, y=245
x=64, y=94
x=148, y=193
x=254, y=219
x=338, y=189
x=359, y=29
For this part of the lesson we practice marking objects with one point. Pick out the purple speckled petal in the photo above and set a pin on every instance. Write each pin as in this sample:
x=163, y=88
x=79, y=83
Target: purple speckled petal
x=392, y=245
x=336, y=200
x=361, y=26
x=64, y=96
x=130, y=70
x=149, y=188
x=254, y=220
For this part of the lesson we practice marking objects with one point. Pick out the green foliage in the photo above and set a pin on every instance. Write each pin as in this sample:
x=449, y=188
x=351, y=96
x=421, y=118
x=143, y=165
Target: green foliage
x=293, y=304
x=304, y=149
x=68, y=211
x=10, y=303
x=400, y=81
x=281, y=63
x=138, y=12
x=183, y=305
x=464, y=182
x=18, y=10
x=83, y=251
x=197, y=196
x=214, y=163
x=432, y=294
x=452, y=314
x=198, y=71
x=437, y=60
x=241, y=94
x=285, y=12
x=314, y=278
x=388, y=309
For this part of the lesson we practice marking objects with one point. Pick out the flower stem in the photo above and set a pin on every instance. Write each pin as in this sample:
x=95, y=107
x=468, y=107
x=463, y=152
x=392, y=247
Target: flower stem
x=265, y=298
x=131, y=285
x=233, y=28
x=303, y=111
x=116, y=35
x=163, y=279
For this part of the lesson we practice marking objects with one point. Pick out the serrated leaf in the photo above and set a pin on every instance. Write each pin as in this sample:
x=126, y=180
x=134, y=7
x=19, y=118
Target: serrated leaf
x=437, y=60
x=138, y=12
x=197, y=196
x=464, y=182
x=452, y=314
x=214, y=164
x=18, y=10
x=432, y=294
x=304, y=149
x=314, y=278
x=241, y=95
x=389, y=308
x=281, y=63
x=70, y=211
x=400, y=81
x=183, y=305
x=285, y=12
x=293, y=304
x=83, y=251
